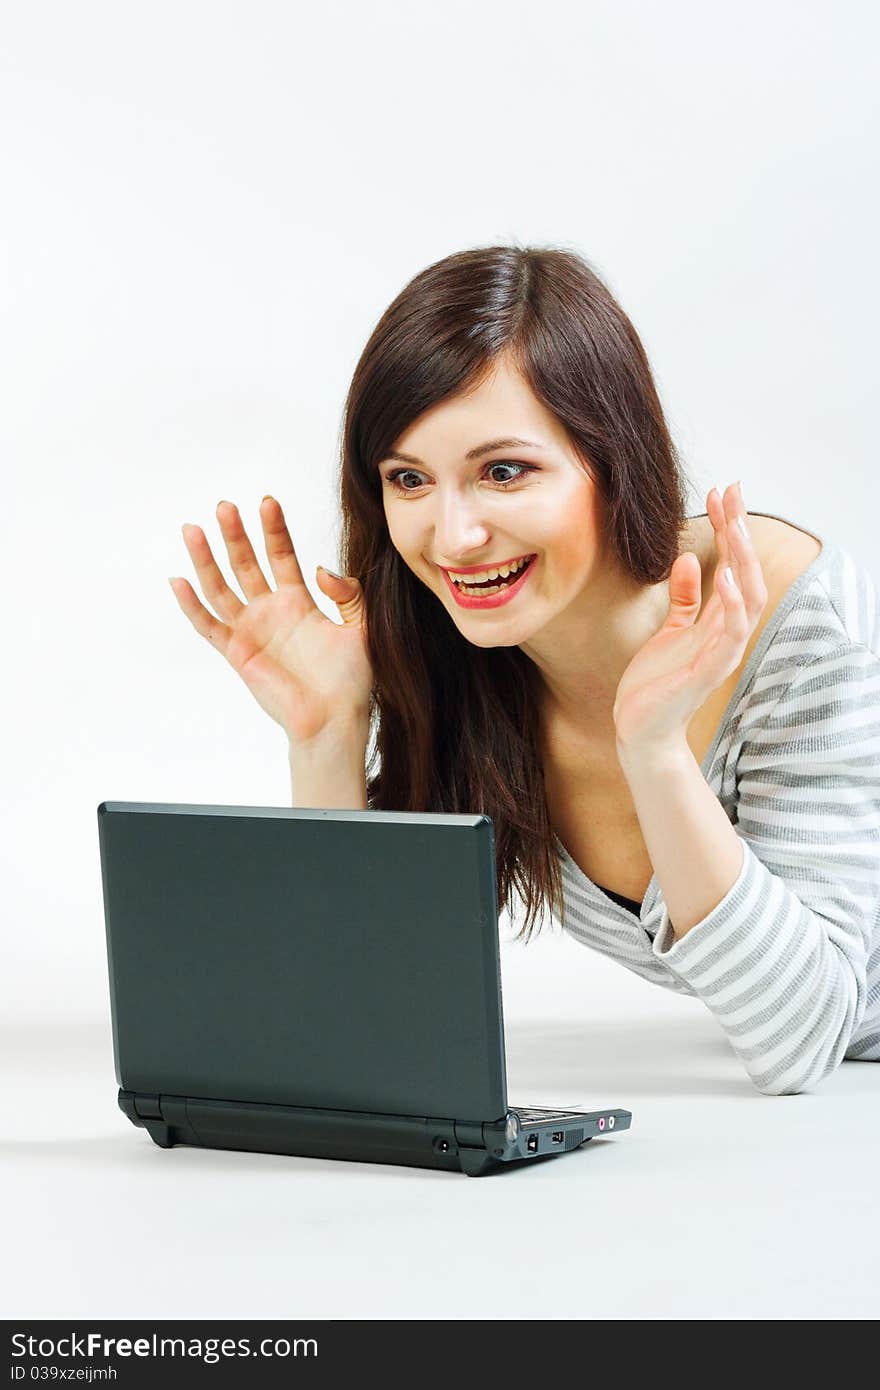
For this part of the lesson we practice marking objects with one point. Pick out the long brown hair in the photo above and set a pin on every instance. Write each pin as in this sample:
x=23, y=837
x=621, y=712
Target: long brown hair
x=455, y=726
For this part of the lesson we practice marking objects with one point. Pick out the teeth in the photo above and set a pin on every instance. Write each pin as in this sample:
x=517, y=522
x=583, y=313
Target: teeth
x=503, y=572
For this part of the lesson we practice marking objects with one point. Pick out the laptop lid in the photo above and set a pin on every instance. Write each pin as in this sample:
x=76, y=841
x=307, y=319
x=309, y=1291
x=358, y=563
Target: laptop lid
x=326, y=958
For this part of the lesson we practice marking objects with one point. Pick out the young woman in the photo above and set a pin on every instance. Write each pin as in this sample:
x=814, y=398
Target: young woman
x=673, y=721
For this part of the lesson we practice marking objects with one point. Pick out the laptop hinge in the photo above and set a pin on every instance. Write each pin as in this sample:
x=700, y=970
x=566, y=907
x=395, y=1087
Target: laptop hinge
x=146, y=1111
x=147, y=1107
x=469, y=1133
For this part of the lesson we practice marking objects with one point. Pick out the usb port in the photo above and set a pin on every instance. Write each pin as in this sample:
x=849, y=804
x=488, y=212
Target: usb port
x=557, y=1136
x=532, y=1143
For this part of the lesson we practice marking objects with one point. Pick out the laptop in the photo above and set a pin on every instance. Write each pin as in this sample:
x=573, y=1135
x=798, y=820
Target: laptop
x=319, y=983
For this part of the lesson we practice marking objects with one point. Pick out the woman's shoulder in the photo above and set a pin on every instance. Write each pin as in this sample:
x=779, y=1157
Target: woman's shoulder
x=849, y=590
x=824, y=601
x=833, y=597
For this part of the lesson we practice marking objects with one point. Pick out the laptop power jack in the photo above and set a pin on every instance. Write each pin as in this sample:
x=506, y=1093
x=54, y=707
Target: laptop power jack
x=532, y=1143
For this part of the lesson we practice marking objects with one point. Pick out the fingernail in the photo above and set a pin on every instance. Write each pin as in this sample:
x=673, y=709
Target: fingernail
x=331, y=572
x=740, y=486
x=741, y=523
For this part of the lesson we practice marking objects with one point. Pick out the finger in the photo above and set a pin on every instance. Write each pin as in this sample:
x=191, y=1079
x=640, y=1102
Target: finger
x=736, y=620
x=214, y=586
x=730, y=507
x=217, y=633
x=685, y=590
x=279, y=546
x=725, y=509
x=245, y=565
x=718, y=518
x=749, y=574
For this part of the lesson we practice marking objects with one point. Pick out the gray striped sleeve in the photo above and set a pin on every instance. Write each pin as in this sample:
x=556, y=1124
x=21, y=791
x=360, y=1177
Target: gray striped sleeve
x=785, y=961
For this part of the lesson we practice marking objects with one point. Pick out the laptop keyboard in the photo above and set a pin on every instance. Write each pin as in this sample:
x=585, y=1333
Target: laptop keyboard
x=529, y=1114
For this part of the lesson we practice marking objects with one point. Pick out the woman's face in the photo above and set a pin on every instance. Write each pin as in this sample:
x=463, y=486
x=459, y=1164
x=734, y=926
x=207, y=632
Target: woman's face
x=448, y=511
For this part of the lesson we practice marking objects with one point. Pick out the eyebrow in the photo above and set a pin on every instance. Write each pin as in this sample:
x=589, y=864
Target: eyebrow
x=474, y=453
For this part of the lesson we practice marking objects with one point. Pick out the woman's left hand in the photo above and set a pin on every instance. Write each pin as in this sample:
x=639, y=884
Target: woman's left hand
x=672, y=675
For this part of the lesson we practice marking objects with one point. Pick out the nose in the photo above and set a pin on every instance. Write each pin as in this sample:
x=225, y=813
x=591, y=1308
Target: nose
x=459, y=530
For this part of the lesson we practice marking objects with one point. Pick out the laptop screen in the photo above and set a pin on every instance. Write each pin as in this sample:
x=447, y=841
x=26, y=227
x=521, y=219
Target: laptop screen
x=324, y=958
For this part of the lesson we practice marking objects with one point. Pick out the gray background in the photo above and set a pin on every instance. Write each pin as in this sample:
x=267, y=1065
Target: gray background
x=206, y=209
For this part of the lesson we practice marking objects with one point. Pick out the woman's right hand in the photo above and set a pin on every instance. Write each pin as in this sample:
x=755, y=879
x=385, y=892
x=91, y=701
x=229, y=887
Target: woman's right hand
x=307, y=672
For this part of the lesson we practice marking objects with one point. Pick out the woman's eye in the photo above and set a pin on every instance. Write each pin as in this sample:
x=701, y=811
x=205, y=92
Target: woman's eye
x=398, y=473
x=503, y=482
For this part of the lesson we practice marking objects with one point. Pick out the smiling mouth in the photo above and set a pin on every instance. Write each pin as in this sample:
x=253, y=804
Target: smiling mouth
x=492, y=579
x=491, y=592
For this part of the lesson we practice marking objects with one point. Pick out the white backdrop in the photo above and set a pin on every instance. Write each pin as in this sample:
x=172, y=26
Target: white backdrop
x=206, y=207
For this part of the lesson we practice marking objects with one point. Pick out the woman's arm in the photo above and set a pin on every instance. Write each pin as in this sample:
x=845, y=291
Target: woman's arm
x=695, y=852
x=330, y=772
x=780, y=953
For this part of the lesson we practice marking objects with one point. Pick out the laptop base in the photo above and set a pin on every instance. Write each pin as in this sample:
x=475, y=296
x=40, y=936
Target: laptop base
x=472, y=1148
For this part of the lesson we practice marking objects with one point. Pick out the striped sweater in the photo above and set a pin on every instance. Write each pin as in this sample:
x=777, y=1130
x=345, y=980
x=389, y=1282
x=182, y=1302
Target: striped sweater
x=789, y=960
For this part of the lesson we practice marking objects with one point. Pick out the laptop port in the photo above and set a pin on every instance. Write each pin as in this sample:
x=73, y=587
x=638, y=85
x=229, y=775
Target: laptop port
x=557, y=1136
x=532, y=1143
